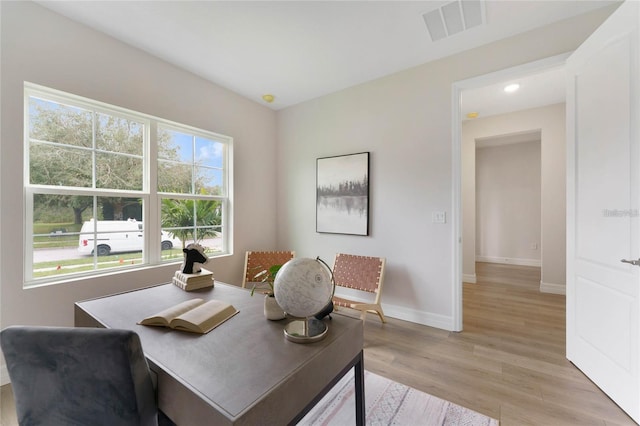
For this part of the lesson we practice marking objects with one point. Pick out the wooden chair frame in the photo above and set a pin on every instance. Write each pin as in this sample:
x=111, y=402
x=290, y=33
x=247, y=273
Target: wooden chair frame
x=257, y=261
x=363, y=273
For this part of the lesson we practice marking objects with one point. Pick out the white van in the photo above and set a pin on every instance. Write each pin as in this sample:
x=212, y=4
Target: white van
x=117, y=236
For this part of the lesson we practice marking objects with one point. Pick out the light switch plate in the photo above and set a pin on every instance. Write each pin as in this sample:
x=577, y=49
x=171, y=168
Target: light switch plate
x=439, y=217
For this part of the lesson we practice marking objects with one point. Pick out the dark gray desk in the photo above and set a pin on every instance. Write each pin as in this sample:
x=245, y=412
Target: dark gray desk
x=244, y=372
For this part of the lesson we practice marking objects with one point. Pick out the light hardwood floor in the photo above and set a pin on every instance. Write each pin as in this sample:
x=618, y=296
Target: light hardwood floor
x=508, y=363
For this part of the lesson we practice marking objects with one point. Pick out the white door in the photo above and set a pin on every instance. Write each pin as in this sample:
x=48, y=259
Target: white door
x=603, y=205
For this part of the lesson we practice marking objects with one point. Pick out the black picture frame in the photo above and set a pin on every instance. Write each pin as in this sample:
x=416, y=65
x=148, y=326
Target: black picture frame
x=342, y=194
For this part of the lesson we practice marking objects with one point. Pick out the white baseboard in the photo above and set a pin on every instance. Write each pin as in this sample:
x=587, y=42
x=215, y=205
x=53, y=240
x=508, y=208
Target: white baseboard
x=509, y=260
x=553, y=288
x=4, y=375
x=469, y=278
x=420, y=317
x=406, y=314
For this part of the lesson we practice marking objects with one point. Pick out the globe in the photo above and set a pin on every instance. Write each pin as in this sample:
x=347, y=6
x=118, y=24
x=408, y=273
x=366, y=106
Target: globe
x=303, y=287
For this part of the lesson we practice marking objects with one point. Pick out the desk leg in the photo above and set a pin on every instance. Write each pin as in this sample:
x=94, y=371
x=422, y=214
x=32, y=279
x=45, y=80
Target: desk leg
x=358, y=377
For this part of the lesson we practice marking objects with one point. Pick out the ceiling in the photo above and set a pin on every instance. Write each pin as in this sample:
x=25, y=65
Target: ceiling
x=536, y=90
x=300, y=50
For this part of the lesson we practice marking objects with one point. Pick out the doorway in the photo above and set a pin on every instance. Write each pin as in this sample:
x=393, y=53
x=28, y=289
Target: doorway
x=554, y=281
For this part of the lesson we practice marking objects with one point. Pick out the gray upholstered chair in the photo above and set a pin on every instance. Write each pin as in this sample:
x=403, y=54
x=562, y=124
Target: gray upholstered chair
x=79, y=376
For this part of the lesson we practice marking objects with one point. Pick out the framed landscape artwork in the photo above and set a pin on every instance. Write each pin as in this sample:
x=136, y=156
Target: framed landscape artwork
x=342, y=194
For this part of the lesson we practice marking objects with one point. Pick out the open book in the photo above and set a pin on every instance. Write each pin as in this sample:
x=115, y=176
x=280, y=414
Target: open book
x=195, y=315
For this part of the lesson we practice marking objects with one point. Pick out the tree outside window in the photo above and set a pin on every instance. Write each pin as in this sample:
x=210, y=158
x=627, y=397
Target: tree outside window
x=87, y=160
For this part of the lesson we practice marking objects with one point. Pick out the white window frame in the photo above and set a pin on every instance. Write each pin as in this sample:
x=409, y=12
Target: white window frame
x=224, y=198
x=151, y=198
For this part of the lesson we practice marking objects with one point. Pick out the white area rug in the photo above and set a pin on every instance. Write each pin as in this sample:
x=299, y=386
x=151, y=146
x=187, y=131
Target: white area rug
x=390, y=403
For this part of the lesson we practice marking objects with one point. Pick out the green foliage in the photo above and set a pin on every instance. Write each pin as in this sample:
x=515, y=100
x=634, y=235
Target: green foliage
x=49, y=238
x=54, y=122
x=267, y=276
x=86, y=148
x=191, y=219
x=65, y=144
x=47, y=228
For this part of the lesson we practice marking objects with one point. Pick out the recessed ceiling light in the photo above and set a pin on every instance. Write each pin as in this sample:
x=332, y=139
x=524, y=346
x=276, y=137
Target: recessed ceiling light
x=472, y=115
x=511, y=87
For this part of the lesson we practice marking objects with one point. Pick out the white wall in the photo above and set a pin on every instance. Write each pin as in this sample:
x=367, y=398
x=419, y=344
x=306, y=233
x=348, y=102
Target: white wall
x=508, y=203
x=404, y=120
x=550, y=121
x=48, y=49
x=468, y=207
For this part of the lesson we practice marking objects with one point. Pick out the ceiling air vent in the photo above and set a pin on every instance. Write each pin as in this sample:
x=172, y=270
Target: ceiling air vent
x=454, y=17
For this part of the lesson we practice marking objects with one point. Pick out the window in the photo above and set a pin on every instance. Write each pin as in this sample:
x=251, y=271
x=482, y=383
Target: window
x=192, y=185
x=107, y=188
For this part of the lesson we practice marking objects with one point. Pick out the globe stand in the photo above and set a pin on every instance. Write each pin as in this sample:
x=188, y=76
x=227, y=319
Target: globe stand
x=306, y=330
x=304, y=288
